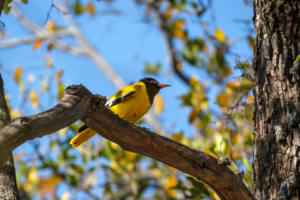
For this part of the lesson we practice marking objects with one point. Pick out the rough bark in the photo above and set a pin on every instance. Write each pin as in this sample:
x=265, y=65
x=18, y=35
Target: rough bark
x=276, y=91
x=8, y=184
x=80, y=103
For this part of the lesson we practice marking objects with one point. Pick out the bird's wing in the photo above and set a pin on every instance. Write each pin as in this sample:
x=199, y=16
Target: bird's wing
x=122, y=95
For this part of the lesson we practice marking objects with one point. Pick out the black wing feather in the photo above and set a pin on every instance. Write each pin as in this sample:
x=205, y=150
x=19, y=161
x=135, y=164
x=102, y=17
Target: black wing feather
x=118, y=100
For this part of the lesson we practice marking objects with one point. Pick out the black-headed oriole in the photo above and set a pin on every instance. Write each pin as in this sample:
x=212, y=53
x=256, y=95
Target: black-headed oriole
x=130, y=103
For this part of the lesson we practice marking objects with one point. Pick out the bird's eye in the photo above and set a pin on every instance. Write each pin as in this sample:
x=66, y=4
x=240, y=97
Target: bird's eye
x=153, y=82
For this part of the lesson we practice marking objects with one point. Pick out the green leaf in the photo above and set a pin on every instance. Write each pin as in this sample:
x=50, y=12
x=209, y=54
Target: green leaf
x=152, y=69
x=25, y=1
x=6, y=8
x=73, y=180
x=78, y=8
x=77, y=168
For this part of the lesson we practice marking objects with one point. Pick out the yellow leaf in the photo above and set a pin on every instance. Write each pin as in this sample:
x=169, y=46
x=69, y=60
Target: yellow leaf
x=15, y=113
x=168, y=13
x=158, y=104
x=63, y=131
x=226, y=71
x=114, y=165
x=223, y=99
x=33, y=176
x=50, y=25
x=178, y=32
x=194, y=114
x=61, y=90
x=65, y=196
x=18, y=73
x=113, y=145
x=250, y=99
x=49, y=62
x=37, y=43
x=156, y=173
x=32, y=181
x=179, y=23
x=90, y=8
x=171, y=182
x=130, y=155
x=204, y=104
x=216, y=197
x=220, y=35
x=177, y=137
x=34, y=99
x=59, y=74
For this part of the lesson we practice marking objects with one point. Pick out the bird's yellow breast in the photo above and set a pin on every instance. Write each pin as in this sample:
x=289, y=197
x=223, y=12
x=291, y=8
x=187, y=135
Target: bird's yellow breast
x=135, y=106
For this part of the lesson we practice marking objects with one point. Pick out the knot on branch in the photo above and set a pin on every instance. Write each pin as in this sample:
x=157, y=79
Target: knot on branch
x=225, y=162
x=24, y=121
x=77, y=90
x=241, y=175
x=98, y=100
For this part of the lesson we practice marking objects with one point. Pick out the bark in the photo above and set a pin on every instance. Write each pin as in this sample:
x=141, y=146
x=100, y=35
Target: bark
x=78, y=102
x=8, y=184
x=276, y=91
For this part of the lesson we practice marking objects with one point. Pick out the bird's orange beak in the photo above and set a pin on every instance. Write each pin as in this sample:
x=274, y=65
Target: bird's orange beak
x=163, y=85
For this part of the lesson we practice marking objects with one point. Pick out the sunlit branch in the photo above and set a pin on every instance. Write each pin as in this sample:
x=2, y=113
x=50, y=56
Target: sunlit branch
x=79, y=103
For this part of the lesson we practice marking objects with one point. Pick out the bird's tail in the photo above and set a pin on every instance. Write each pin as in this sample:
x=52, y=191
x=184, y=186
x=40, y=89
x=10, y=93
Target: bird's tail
x=85, y=133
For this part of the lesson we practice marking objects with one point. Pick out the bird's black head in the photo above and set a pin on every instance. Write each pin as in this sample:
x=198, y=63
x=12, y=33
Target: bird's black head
x=153, y=87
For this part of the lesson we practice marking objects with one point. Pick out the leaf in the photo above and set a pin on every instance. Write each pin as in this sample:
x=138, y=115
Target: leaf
x=251, y=42
x=58, y=75
x=49, y=62
x=50, y=25
x=152, y=69
x=220, y=35
x=25, y=1
x=90, y=8
x=223, y=99
x=194, y=114
x=78, y=8
x=77, y=168
x=171, y=182
x=168, y=13
x=177, y=137
x=6, y=8
x=34, y=99
x=18, y=73
x=50, y=46
x=158, y=104
x=37, y=44
x=250, y=99
x=61, y=90
x=226, y=71
x=178, y=32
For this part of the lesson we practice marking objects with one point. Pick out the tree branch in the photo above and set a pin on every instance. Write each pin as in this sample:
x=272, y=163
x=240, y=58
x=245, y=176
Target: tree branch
x=80, y=103
x=72, y=107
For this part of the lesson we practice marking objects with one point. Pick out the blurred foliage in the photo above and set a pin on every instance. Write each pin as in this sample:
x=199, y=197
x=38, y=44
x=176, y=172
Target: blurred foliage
x=223, y=124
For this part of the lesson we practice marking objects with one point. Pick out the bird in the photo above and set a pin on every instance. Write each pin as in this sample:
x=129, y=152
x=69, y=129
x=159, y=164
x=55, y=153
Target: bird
x=130, y=103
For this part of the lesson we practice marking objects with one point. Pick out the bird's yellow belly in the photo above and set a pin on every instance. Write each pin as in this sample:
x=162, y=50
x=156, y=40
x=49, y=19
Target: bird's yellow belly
x=133, y=108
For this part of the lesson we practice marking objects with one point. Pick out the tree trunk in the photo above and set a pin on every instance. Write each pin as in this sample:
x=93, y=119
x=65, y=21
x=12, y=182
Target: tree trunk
x=8, y=183
x=276, y=91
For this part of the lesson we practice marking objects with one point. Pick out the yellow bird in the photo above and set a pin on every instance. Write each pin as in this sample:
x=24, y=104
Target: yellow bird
x=130, y=103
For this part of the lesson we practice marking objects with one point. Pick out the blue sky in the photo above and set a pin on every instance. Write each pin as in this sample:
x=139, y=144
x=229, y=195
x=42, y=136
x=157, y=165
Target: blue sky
x=126, y=43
